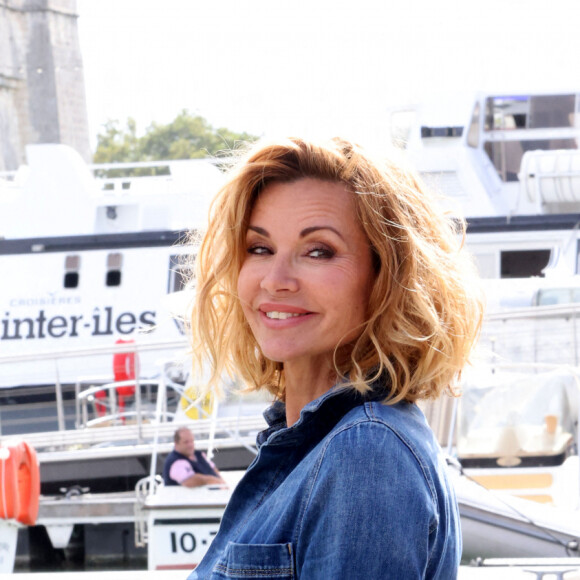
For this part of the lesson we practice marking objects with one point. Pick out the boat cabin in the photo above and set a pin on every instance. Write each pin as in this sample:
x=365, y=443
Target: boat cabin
x=510, y=165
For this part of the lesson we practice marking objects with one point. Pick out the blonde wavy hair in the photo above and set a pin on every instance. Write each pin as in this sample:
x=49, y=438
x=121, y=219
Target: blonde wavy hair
x=424, y=311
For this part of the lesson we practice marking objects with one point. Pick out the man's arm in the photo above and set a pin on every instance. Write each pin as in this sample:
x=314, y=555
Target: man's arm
x=198, y=479
x=182, y=472
x=214, y=467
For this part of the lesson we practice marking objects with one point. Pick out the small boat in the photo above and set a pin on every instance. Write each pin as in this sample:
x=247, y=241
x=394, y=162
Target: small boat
x=517, y=469
x=178, y=524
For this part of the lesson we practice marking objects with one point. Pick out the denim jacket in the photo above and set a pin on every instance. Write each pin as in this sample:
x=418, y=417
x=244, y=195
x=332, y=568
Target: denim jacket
x=354, y=489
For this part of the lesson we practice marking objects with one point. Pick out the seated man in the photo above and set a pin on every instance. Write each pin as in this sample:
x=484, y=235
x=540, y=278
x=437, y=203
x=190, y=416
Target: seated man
x=185, y=466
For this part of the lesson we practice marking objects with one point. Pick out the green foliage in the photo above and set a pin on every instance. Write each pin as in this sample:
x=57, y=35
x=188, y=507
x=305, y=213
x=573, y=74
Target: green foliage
x=186, y=137
x=115, y=144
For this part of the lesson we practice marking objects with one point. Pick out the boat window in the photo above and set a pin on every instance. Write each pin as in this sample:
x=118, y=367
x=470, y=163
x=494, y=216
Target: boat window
x=180, y=271
x=114, y=263
x=524, y=263
x=473, y=132
x=506, y=156
x=71, y=271
x=505, y=113
x=552, y=296
x=552, y=111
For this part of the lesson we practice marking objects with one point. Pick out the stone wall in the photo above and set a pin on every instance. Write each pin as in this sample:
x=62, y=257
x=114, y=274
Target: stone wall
x=42, y=92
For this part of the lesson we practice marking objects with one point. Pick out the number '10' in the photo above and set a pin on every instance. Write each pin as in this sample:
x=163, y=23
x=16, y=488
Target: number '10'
x=186, y=542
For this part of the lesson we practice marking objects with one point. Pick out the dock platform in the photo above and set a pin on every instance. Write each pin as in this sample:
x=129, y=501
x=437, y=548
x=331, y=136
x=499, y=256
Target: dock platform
x=566, y=569
x=108, y=575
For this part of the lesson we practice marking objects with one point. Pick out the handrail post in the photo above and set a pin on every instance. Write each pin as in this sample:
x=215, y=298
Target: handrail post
x=85, y=412
x=575, y=340
x=77, y=405
x=113, y=401
x=59, y=403
x=138, y=408
x=161, y=396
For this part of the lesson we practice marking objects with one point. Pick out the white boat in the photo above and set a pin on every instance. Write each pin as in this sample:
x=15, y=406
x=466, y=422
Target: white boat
x=90, y=256
x=86, y=259
x=517, y=476
x=94, y=370
x=510, y=164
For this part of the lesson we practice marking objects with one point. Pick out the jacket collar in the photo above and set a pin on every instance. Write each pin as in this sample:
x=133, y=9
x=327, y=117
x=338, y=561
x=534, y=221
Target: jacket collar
x=325, y=411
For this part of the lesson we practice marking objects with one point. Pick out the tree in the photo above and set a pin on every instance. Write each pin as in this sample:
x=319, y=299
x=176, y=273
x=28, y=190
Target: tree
x=117, y=145
x=186, y=137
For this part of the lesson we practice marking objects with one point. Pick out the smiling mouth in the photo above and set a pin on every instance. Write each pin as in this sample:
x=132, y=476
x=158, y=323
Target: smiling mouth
x=284, y=315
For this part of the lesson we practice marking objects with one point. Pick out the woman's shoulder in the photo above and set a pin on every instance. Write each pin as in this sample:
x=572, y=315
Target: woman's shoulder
x=389, y=432
x=403, y=418
x=381, y=448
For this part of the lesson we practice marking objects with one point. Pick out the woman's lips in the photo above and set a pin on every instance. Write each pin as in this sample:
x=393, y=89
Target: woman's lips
x=282, y=308
x=281, y=313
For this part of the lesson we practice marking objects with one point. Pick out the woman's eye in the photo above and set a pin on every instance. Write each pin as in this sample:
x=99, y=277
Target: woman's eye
x=258, y=250
x=320, y=253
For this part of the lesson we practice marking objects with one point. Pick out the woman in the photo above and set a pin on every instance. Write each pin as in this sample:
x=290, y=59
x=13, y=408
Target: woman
x=336, y=283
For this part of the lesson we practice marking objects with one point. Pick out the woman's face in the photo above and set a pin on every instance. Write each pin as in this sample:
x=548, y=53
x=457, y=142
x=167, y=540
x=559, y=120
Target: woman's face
x=306, y=278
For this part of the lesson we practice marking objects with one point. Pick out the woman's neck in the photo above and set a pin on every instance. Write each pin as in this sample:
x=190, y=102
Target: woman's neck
x=303, y=385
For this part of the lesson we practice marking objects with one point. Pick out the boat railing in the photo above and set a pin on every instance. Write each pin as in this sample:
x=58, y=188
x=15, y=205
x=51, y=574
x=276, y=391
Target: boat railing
x=228, y=432
x=119, y=403
x=122, y=178
x=145, y=487
x=56, y=359
x=149, y=416
x=539, y=334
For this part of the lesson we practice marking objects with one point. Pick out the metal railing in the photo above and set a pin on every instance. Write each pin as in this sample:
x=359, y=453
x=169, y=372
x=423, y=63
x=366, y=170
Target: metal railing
x=147, y=419
x=540, y=334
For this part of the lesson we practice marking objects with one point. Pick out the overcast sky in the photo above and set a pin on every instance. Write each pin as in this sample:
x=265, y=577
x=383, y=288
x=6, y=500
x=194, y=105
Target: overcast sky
x=266, y=66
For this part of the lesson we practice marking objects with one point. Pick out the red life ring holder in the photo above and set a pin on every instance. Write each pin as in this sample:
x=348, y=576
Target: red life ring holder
x=19, y=483
x=125, y=368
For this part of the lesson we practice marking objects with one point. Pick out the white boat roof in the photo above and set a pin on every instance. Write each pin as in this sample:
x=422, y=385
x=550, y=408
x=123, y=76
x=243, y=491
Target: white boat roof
x=57, y=193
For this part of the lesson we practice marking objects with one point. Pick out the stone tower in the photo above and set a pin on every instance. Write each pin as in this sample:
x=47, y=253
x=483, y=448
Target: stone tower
x=42, y=92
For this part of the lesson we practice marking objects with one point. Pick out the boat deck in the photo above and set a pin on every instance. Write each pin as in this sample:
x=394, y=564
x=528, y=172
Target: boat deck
x=87, y=508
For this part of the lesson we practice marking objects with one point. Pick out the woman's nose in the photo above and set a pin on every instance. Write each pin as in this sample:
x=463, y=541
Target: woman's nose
x=279, y=275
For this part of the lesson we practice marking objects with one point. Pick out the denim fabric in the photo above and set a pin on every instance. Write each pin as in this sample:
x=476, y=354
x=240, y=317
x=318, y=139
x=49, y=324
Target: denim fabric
x=354, y=489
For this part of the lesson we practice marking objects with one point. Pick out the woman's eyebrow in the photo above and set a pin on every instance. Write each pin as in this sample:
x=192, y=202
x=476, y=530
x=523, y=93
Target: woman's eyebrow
x=303, y=233
x=259, y=230
x=311, y=229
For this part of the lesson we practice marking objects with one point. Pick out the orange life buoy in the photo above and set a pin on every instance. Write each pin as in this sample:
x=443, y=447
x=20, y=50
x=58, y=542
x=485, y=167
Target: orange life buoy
x=19, y=483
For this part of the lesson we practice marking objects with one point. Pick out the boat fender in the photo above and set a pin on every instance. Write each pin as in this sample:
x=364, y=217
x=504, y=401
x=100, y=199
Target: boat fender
x=19, y=483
